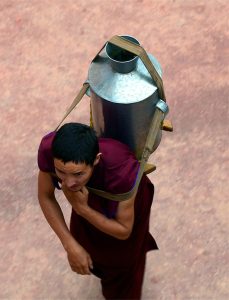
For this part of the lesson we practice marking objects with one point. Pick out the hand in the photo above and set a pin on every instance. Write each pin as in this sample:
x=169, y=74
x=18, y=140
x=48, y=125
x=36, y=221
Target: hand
x=79, y=260
x=78, y=200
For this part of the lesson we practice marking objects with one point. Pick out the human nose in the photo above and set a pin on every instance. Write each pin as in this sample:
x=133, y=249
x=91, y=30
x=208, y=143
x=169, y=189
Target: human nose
x=69, y=181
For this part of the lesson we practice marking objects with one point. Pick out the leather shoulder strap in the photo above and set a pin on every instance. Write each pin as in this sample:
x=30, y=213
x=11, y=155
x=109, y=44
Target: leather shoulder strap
x=77, y=99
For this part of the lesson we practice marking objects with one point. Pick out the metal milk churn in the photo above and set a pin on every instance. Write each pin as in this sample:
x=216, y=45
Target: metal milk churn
x=123, y=96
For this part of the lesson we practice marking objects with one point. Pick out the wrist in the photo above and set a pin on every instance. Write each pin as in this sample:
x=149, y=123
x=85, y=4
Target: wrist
x=68, y=242
x=84, y=211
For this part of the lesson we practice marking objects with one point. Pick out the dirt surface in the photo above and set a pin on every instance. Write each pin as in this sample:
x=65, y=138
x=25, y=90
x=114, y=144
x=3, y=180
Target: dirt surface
x=45, y=51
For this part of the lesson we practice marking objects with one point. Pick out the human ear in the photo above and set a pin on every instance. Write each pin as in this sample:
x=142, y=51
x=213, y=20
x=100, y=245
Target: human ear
x=97, y=159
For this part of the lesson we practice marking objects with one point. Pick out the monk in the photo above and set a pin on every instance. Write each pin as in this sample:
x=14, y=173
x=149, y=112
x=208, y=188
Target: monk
x=106, y=238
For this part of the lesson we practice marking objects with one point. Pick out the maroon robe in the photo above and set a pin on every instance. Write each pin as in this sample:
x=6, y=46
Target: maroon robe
x=119, y=263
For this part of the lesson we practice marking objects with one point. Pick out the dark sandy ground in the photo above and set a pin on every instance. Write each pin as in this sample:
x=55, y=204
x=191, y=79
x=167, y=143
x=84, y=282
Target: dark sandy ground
x=45, y=51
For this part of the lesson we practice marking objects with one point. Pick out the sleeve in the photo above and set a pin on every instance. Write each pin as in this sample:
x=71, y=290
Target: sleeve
x=45, y=159
x=121, y=168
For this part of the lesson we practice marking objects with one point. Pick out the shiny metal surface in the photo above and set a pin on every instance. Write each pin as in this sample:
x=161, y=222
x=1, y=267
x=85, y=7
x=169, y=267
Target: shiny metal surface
x=121, y=88
x=121, y=60
x=123, y=105
x=162, y=105
x=126, y=123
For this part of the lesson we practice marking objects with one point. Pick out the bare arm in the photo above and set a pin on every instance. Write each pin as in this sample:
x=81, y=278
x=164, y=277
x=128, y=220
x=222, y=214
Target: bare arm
x=79, y=259
x=51, y=208
x=120, y=227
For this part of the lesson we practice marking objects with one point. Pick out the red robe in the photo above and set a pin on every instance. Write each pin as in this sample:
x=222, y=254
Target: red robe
x=119, y=263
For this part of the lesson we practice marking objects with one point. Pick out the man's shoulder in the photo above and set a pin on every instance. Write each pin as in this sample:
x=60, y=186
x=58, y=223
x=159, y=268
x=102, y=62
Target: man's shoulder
x=46, y=141
x=45, y=159
x=109, y=146
x=119, y=165
x=111, y=141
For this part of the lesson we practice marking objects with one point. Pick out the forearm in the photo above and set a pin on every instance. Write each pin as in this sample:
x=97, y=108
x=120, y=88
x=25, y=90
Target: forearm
x=55, y=218
x=108, y=226
x=120, y=227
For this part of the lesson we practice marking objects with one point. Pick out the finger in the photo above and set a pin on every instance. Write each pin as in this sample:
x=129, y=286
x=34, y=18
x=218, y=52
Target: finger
x=74, y=268
x=79, y=194
x=90, y=263
x=80, y=271
x=86, y=270
x=84, y=190
x=83, y=270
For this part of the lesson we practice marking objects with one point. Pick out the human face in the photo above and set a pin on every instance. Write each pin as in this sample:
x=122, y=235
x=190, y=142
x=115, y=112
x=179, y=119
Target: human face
x=73, y=175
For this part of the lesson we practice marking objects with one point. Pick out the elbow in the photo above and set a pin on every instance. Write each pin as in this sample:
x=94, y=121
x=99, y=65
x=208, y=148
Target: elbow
x=125, y=234
x=123, y=237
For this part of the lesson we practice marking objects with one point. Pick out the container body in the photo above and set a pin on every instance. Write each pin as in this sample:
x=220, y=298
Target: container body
x=123, y=103
x=128, y=124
